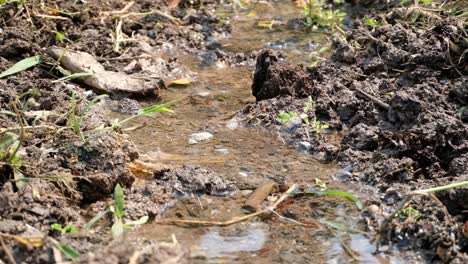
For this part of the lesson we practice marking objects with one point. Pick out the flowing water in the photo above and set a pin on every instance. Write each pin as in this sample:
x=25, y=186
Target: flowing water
x=248, y=157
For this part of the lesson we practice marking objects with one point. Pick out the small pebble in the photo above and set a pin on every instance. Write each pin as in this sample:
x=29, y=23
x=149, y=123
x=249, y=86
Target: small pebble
x=243, y=174
x=342, y=175
x=222, y=151
x=198, y=137
x=293, y=123
x=373, y=209
x=304, y=145
x=232, y=124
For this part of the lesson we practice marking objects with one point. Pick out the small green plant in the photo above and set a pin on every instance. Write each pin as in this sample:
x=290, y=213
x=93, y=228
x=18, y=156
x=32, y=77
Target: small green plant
x=118, y=211
x=284, y=117
x=65, y=229
x=372, y=22
x=75, y=119
x=316, y=14
x=409, y=213
x=10, y=144
x=317, y=56
x=319, y=126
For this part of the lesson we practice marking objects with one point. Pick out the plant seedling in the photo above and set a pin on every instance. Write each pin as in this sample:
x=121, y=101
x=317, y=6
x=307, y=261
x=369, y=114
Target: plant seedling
x=316, y=15
x=284, y=117
x=65, y=229
x=409, y=213
x=118, y=212
x=372, y=22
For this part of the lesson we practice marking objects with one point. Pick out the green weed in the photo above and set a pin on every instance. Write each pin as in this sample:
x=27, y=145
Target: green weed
x=75, y=120
x=118, y=211
x=318, y=56
x=316, y=14
x=284, y=117
x=318, y=126
x=409, y=213
x=144, y=112
x=372, y=22
x=65, y=229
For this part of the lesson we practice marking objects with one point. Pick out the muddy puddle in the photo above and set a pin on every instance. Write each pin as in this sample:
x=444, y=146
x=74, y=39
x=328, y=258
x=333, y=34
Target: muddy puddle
x=248, y=157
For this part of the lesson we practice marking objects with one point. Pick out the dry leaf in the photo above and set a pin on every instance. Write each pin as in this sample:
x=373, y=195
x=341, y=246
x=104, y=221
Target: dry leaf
x=183, y=81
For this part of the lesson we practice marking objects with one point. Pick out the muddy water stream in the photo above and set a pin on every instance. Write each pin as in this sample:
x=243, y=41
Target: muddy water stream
x=248, y=157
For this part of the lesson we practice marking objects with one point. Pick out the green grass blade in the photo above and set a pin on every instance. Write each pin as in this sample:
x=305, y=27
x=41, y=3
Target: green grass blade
x=119, y=202
x=442, y=188
x=22, y=65
x=57, y=227
x=337, y=193
x=157, y=108
x=68, y=251
x=95, y=219
x=74, y=76
x=148, y=110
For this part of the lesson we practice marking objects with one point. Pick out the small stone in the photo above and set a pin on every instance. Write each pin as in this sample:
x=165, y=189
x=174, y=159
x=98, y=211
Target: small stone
x=348, y=168
x=202, y=92
x=127, y=106
x=342, y=174
x=222, y=151
x=243, y=174
x=293, y=122
x=373, y=209
x=208, y=57
x=232, y=124
x=198, y=137
x=305, y=146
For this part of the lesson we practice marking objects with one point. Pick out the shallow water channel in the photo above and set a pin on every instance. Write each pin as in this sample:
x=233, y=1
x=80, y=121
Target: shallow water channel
x=249, y=157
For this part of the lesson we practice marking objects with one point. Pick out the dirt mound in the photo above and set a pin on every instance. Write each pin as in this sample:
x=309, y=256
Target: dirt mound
x=394, y=92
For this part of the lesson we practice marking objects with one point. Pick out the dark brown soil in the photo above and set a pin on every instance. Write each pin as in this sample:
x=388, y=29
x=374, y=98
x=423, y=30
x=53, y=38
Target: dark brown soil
x=68, y=178
x=393, y=93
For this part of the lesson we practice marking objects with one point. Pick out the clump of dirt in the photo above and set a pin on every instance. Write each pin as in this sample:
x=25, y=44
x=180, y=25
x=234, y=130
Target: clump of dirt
x=394, y=92
x=189, y=180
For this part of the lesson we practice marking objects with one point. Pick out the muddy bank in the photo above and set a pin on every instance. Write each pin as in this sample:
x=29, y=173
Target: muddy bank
x=394, y=95
x=61, y=155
